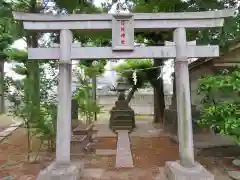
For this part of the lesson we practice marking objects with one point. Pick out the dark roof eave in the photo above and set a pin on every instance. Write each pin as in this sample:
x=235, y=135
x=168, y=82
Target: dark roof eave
x=201, y=61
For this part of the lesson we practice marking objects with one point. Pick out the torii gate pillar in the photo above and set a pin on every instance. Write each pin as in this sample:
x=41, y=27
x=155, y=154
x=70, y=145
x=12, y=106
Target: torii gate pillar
x=187, y=168
x=62, y=168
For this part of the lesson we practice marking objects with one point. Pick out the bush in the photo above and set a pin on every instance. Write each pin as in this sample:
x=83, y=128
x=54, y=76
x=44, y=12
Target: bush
x=221, y=113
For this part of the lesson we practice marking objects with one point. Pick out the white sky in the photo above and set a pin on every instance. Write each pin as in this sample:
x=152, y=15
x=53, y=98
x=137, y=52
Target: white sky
x=21, y=44
x=98, y=2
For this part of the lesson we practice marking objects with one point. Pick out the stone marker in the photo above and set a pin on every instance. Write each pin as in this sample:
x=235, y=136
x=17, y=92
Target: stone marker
x=124, y=154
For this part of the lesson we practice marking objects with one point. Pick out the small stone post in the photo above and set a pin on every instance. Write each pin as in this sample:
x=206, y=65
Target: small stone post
x=64, y=99
x=185, y=133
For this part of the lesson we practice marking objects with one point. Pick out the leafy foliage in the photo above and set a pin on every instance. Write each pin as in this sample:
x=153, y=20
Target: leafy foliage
x=92, y=68
x=84, y=93
x=9, y=29
x=127, y=68
x=76, y=6
x=221, y=113
x=45, y=127
x=87, y=105
x=145, y=72
x=226, y=36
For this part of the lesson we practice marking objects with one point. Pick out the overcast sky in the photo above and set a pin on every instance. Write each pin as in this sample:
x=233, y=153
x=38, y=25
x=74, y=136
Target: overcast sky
x=98, y=2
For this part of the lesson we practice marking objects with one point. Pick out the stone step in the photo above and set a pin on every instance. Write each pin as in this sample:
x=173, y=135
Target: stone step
x=94, y=137
x=161, y=175
x=105, y=152
x=94, y=129
x=99, y=174
x=222, y=151
x=124, y=118
x=122, y=122
x=79, y=138
x=89, y=130
x=80, y=132
x=93, y=173
x=234, y=174
x=83, y=132
x=124, y=154
x=90, y=148
x=78, y=143
x=115, y=128
x=122, y=125
x=236, y=162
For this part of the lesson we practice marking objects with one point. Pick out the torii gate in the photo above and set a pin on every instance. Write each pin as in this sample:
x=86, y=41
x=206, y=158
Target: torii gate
x=123, y=27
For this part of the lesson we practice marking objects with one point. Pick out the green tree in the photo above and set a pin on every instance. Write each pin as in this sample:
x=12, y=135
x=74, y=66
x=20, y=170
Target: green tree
x=223, y=36
x=29, y=91
x=45, y=127
x=142, y=70
x=84, y=94
x=221, y=113
x=8, y=33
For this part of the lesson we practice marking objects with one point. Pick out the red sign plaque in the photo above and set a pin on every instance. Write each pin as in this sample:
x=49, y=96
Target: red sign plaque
x=122, y=32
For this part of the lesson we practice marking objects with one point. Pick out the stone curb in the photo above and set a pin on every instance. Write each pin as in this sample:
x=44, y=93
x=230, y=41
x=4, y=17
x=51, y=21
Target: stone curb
x=106, y=152
x=8, y=131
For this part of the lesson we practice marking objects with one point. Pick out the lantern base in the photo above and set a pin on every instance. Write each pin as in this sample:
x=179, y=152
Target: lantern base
x=122, y=116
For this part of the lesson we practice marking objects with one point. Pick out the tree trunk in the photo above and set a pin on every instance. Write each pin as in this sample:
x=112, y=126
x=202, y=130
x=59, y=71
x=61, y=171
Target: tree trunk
x=94, y=90
x=159, y=101
x=33, y=79
x=2, y=99
x=174, y=103
x=33, y=73
x=130, y=94
x=156, y=105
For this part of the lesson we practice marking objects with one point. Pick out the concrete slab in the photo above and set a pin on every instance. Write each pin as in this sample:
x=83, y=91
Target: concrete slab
x=146, y=129
x=95, y=173
x=174, y=171
x=17, y=124
x=209, y=140
x=161, y=175
x=234, y=174
x=106, y=152
x=11, y=129
x=103, y=130
x=2, y=138
x=236, y=162
x=124, y=155
x=5, y=133
x=73, y=171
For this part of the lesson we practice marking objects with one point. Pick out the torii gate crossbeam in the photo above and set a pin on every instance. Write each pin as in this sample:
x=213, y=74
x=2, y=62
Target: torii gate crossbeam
x=142, y=21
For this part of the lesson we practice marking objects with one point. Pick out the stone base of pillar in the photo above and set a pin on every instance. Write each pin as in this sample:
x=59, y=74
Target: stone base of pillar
x=174, y=171
x=73, y=171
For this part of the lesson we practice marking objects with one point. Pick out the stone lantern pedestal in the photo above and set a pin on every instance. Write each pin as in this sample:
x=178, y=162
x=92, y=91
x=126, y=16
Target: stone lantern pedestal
x=122, y=117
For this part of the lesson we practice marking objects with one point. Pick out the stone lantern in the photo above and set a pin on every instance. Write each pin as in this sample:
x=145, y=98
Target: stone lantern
x=122, y=117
